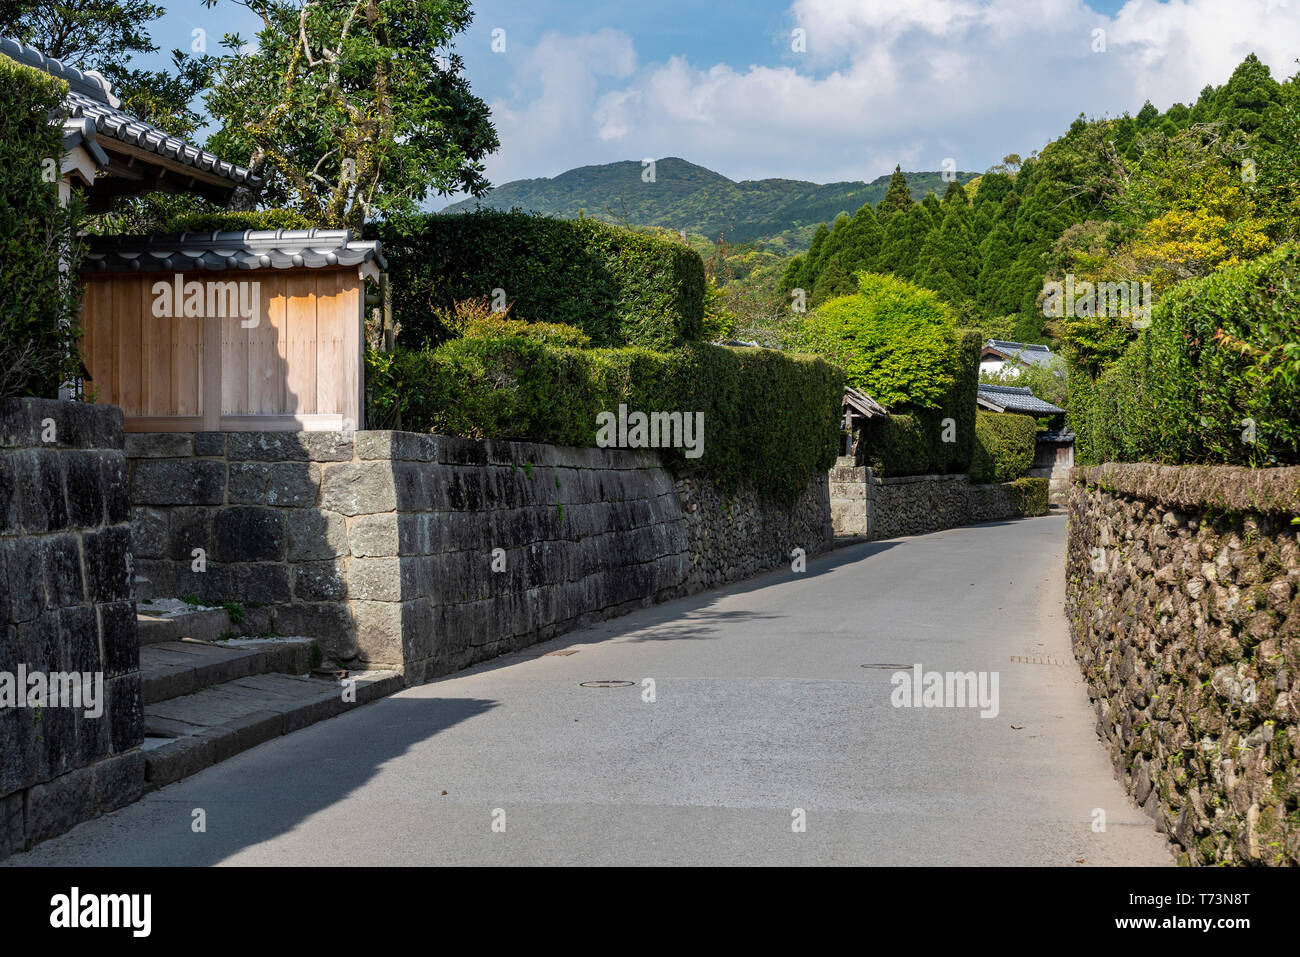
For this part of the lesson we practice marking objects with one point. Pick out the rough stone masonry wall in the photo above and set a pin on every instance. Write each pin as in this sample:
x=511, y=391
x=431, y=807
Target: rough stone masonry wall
x=381, y=544
x=66, y=606
x=877, y=508
x=1183, y=594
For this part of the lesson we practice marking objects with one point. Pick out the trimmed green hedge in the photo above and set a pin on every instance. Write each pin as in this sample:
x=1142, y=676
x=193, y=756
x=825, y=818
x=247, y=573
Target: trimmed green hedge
x=1004, y=446
x=620, y=287
x=1030, y=495
x=38, y=303
x=230, y=220
x=768, y=417
x=911, y=441
x=1218, y=366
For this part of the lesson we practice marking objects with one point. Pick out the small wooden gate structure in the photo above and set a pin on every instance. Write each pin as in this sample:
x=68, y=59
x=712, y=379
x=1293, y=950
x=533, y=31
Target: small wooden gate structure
x=230, y=331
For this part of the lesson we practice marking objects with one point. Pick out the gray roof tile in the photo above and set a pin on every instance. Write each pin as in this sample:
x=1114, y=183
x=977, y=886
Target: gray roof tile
x=94, y=112
x=1010, y=398
x=251, y=249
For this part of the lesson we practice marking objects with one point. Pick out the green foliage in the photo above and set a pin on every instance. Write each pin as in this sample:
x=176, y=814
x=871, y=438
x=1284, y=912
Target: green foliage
x=351, y=110
x=894, y=340
x=768, y=417
x=1218, y=366
x=619, y=287
x=1004, y=446
x=547, y=333
x=1031, y=495
x=38, y=302
x=230, y=220
x=922, y=441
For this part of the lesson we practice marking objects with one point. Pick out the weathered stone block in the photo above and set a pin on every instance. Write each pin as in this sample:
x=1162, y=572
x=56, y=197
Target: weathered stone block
x=290, y=446
x=125, y=712
x=121, y=642
x=84, y=485
x=378, y=631
x=148, y=533
x=178, y=482
x=42, y=505
x=248, y=534
x=316, y=535
x=79, y=639
x=361, y=488
x=264, y=582
x=61, y=563
x=210, y=443
x=159, y=445
x=320, y=581
x=106, y=569
x=397, y=446
x=329, y=623
x=383, y=579
x=375, y=535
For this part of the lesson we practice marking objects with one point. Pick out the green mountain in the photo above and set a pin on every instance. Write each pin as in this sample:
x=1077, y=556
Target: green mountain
x=781, y=213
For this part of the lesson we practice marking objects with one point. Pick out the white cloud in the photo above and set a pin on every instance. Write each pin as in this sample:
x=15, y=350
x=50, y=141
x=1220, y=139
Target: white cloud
x=882, y=82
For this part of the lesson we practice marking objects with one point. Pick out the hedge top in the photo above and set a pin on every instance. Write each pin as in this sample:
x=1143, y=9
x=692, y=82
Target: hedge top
x=618, y=286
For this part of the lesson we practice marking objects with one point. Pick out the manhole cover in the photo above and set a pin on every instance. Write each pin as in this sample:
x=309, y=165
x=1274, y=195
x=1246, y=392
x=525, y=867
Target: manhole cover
x=607, y=684
x=885, y=667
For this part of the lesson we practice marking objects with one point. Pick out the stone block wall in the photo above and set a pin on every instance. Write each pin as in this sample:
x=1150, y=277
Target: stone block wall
x=65, y=606
x=429, y=553
x=1183, y=594
x=864, y=504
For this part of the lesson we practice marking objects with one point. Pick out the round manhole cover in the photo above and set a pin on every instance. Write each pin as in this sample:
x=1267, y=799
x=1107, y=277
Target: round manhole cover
x=607, y=684
x=886, y=667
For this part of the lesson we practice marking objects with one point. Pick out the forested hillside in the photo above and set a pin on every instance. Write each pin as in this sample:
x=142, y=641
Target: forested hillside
x=775, y=214
x=1153, y=198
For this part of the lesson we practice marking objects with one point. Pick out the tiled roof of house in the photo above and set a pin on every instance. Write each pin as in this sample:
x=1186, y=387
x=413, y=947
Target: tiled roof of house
x=862, y=404
x=94, y=112
x=251, y=249
x=1010, y=398
x=1030, y=353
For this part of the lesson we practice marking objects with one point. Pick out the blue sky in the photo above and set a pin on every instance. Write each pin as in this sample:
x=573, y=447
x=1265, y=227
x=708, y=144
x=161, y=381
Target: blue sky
x=879, y=81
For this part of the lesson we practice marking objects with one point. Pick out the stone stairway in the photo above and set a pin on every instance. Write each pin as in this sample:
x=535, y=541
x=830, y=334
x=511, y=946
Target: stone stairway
x=206, y=699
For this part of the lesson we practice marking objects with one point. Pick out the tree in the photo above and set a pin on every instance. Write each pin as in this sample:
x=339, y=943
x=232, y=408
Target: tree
x=351, y=108
x=834, y=280
x=894, y=340
x=900, y=248
x=1245, y=100
x=949, y=262
x=898, y=198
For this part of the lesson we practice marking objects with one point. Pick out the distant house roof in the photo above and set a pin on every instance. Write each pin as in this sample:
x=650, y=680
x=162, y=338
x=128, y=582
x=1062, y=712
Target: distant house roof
x=861, y=404
x=1010, y=398
x=251, y=249
x=136, y=156
x=1028, y=353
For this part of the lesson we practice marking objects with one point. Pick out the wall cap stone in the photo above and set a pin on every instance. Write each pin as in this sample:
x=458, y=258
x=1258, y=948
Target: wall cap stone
x=1230, y=487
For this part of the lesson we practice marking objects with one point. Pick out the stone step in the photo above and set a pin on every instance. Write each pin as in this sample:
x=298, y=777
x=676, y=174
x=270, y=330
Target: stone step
x=170, y=669
x=187, y=734
x=141, y=588
x=170, y=619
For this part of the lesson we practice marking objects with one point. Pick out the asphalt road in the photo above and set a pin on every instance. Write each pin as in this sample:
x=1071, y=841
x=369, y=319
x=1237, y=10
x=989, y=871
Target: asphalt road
x=762, y=706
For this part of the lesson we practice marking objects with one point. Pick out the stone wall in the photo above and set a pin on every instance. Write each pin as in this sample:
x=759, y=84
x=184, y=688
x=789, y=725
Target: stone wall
x=66, y=605
x=877, y=508
x=384, y=545
x=1183, y=594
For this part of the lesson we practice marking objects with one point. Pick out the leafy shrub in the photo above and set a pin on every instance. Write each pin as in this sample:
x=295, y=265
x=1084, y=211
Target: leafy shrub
x=1030, y=495
x=1218, y=366
x=895, y=341
x=476, y=319
x=911, y=440
x=38, y=302
x=619, y=287
x=768, y=417
x=1004, y=446
x=230, y=220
